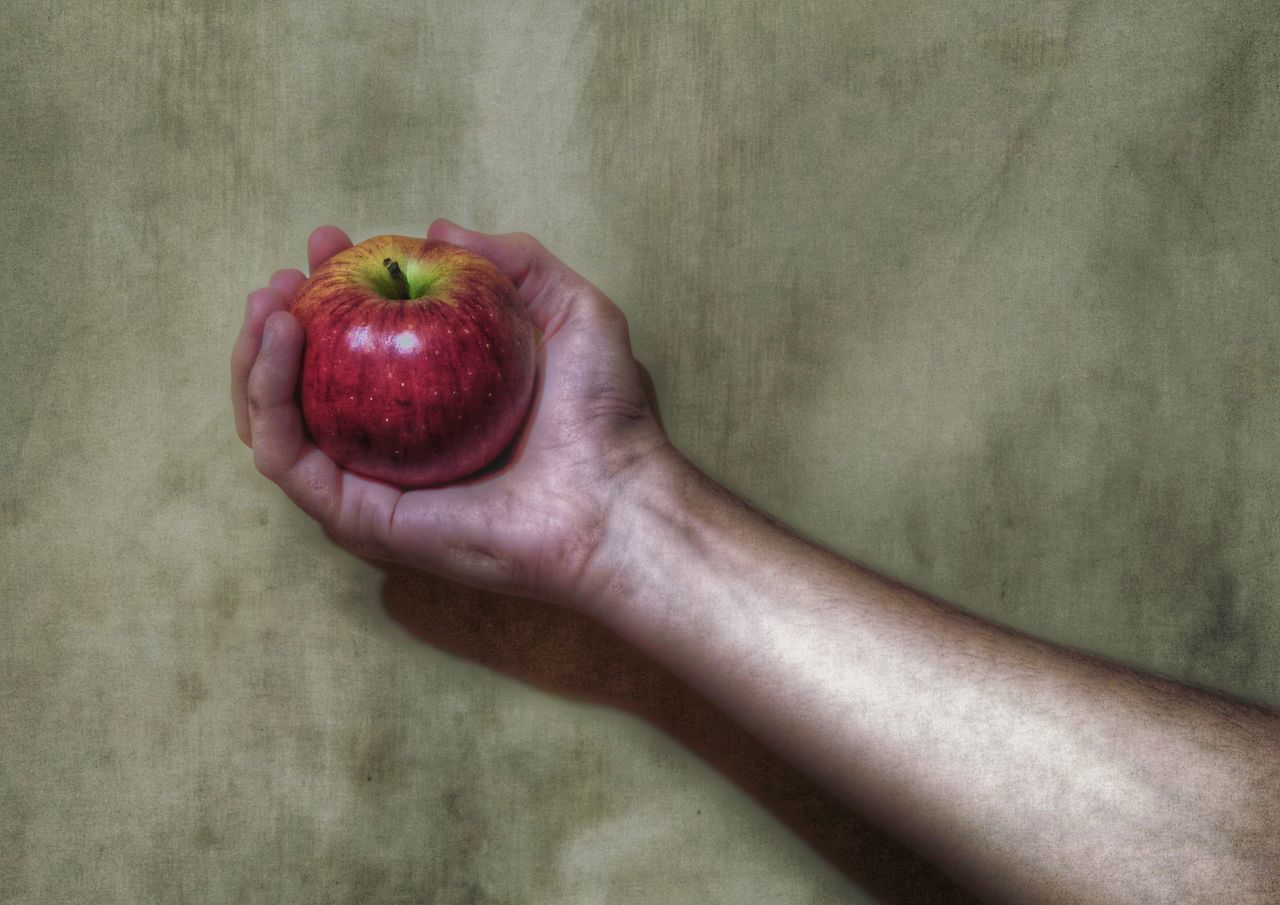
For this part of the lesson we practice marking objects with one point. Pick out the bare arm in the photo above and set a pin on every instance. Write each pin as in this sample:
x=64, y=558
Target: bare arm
x=1030, y=772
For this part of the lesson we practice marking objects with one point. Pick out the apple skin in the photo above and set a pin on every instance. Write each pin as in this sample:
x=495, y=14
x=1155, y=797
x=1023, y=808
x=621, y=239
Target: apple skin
x=419, y=391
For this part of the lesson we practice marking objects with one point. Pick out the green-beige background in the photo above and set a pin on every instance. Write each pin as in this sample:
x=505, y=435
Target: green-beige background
x=983, y=294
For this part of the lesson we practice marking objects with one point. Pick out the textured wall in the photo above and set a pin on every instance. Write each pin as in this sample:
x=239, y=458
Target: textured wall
x=983, y=293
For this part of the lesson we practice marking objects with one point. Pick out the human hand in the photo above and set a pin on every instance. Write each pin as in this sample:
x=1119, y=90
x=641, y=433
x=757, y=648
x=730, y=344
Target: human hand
x=531, y=527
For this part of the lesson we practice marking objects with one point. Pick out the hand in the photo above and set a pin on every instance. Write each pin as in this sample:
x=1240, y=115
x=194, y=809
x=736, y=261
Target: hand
x=533, y=526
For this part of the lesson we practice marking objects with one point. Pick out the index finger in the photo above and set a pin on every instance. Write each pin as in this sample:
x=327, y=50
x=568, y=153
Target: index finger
x=549, y=288
x=325, y=242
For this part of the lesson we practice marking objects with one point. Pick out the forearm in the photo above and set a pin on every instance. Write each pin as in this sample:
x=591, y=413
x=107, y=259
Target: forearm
x=1032, y=772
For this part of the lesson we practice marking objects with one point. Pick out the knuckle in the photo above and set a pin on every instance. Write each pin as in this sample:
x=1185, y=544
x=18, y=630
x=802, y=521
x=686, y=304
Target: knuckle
x=263, y=303
x=257, y=406
x=530, y=245
x=618, y=320
x=265, y=462
x=259, y=300
x=360, y=527
x=370, y=522
x=258, y=389
x=603, y=314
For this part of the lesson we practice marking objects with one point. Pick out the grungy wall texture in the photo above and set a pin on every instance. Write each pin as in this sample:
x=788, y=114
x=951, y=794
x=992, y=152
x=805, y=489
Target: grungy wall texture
x=982, y=293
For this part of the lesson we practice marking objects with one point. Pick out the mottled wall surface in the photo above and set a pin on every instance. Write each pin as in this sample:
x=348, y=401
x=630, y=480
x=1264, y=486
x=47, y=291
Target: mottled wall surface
x=982, y=293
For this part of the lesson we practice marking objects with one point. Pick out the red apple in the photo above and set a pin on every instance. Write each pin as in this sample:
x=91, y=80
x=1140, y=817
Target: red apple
x=419, y=360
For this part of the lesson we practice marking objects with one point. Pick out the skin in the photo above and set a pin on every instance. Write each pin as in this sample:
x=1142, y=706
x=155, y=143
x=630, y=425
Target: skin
x=1030, y=772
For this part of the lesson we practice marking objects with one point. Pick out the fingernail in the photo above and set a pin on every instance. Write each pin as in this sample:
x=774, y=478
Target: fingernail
x=268, y=334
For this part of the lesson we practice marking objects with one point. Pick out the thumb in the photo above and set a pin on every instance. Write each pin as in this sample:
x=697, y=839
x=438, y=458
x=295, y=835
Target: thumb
x=468, y=533
x=549, y=288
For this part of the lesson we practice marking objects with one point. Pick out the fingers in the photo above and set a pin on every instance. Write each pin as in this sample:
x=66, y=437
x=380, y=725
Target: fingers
x=274, y=420
x=324, y=243
x=448, y=529
x=516, y=254
x=550, y=289
x=354, y=511
x=281, y=450
x=261, y=303
x=287, y=281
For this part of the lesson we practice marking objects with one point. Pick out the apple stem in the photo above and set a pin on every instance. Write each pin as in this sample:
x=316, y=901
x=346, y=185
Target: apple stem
x=398, y=279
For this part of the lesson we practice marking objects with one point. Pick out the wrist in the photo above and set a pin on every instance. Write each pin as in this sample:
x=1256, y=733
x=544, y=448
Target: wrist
x=673, y=535
x=649, y=508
